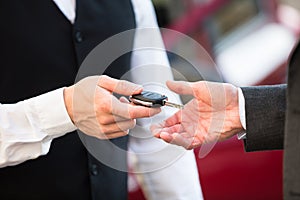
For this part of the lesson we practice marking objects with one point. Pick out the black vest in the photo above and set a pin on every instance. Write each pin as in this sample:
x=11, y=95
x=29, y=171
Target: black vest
x=41, y=51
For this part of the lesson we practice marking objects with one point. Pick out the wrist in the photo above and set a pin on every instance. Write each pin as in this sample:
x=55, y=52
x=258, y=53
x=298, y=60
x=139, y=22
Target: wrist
x=68, y=99
x=236, y=115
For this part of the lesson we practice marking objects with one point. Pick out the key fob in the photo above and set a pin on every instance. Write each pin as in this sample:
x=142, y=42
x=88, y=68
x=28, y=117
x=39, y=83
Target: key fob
x=149, y=99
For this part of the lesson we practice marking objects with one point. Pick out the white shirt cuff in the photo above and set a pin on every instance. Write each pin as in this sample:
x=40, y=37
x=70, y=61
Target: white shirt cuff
x=51, y=113
x=242, y=112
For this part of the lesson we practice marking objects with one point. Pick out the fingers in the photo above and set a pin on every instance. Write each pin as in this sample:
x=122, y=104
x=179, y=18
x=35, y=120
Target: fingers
x=132, y=111
x=174, y=119
x=107, y=118
x=170, y=125
x=117, y=127
x=200, y=89
x=183, y=139
x=103, y=136
x=178, y=139
x=180, y=136
x=112, y=106
x=167, y=137
x=117, y=134
x=170, y=122
x=177, y=135
x=119, y=86
x=157, y=129
x=124, y=100
x=180, y=87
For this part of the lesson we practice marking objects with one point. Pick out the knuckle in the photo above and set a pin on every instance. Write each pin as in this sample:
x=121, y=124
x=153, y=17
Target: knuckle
x=151, y=113
x=131, y=114
x=102, y=137
x=103, y=78
x=198, y=88
x=132, y=123
x=190, y=147
x=123, y=133
x=105, y=106
x=139, y=112
x=103, y=120
x=121, y=85
x=105, y=129
x=186, y=147
x=127, y=86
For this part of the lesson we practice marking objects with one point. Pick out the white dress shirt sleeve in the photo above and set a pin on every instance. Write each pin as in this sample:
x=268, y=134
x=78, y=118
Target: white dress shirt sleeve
x=160, y=175
x=28, y=127
x=242, y=112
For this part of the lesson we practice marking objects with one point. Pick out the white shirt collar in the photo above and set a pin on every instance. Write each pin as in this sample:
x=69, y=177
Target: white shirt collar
x=68, y=8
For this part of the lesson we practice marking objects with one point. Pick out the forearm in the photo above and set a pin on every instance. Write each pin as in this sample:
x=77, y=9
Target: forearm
x=265, y=117
x=28, y=127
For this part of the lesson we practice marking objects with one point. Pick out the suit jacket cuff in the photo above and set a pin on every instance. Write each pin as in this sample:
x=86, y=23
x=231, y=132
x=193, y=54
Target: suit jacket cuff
x=265, y=115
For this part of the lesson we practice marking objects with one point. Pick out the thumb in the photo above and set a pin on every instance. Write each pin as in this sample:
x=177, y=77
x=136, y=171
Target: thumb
x=180, y=87
x=119, y=86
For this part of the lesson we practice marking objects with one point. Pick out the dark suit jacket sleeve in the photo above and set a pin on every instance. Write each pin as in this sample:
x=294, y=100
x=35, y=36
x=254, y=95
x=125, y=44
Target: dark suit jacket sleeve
x=265, y=115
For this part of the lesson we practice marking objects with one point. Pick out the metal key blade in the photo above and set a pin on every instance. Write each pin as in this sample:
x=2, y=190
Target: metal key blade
x=174, y=105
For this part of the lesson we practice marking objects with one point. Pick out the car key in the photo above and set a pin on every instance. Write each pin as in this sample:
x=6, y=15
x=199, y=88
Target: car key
x=152, y=99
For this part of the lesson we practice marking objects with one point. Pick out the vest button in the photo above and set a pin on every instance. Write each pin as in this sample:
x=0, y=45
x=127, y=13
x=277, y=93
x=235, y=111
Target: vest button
x=94, y=170
x=78, y=36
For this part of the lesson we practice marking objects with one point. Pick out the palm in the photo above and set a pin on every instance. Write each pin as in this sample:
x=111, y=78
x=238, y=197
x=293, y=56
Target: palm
x=211, y=116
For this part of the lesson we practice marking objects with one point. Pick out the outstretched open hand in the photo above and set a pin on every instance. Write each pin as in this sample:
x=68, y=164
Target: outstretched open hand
x=213, y=115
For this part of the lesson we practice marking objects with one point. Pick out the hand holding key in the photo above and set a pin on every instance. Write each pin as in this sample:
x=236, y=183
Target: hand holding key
x=97, y=112
x=213, y=115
